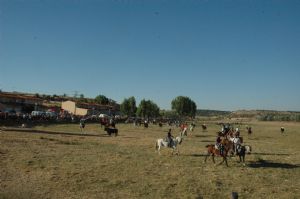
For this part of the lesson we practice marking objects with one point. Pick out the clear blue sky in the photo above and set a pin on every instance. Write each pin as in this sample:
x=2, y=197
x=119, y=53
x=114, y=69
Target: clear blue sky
x=225, y=55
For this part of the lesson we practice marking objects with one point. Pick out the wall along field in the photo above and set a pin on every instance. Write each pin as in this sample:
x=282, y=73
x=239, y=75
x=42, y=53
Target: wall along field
x=70, y=165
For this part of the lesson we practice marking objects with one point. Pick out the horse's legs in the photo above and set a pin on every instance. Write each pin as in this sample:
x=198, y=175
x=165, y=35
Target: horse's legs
x=175, y=149
x=206, y=157
x=225, y=160
x=221, y=162
x=213, y=158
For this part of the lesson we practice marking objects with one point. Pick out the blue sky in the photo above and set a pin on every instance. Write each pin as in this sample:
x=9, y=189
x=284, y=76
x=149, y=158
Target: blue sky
x=225, y=55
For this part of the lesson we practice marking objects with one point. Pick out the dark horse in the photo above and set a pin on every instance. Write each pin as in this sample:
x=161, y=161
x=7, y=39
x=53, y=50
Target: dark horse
x=241, y=152
x=110, y=131
x=249, y=130
x=204, y=127
x=212, y=151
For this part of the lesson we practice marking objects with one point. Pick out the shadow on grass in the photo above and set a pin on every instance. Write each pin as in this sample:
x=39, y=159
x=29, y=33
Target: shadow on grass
x=55, y=132
x=267, y=164
x=259, y=138
x=128, y=137
x=208, y=141
x=203, y=136
x=279, y=154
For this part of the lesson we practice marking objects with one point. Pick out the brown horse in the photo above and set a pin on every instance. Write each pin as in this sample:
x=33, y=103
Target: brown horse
x=212, y=151
x=249, y=130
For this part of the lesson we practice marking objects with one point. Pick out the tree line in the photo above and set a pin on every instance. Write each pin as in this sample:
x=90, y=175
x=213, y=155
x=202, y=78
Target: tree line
x=182, y=106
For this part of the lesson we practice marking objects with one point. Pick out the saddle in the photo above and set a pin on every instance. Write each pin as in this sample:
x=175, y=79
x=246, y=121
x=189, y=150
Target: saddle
x=220, y=147
x=169, y=142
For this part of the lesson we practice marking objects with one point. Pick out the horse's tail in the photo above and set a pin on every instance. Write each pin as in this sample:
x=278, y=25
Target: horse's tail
x=156, y=145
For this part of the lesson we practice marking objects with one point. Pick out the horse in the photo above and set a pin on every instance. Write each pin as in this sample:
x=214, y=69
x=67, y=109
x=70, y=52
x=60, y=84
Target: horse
x=192, y=126
x=110, y=131
x=249, y=130
x=212, y=151
x=146, y=125
x=248, y=149
x=183, y=132
x=103, y=122
x=241, y=152
x=204, y=127
x=162, y=143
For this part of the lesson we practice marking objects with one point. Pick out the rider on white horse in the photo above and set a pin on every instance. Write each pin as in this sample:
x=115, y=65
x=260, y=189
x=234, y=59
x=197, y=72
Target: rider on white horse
x=169, y=138
x=169, y=142
x=236, y=142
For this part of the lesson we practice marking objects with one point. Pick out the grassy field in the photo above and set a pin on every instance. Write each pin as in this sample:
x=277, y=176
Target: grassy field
x=67, y=164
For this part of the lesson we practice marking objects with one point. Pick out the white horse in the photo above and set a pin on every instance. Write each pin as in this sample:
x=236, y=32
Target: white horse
x=162, y=143
x=248, y=149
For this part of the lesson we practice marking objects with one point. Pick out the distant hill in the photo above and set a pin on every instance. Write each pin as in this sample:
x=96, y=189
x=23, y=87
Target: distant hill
x=263, y=115
x=267, y=115
x=255, y=113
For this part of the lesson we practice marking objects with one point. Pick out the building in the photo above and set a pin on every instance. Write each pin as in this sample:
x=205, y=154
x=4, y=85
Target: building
x=82, y=109
x=19, y=103
x=72, y=108
x=2, y=107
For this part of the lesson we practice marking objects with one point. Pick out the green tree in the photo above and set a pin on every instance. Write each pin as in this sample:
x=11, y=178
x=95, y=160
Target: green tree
x=101, y=99
x=168, y=114
x=298, y=118
x=147, y=109
x=128, y=106
x=184, y=106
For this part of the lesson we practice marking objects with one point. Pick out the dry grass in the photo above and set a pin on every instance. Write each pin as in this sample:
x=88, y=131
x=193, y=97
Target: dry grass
x=71, y=165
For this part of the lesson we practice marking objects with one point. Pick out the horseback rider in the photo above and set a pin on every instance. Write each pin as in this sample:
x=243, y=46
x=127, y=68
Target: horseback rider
x=82, y=123
x=237, y=132
x=219, y=145
x=112, y=122
x=236, y=142
x=223, y=129
x=169, y=138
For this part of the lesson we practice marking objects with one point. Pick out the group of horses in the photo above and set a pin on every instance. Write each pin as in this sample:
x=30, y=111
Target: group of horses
x=228, y=147
x=227, y=150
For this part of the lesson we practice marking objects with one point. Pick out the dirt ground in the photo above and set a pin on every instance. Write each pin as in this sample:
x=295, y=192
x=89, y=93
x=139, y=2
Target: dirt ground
x=61, y=162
